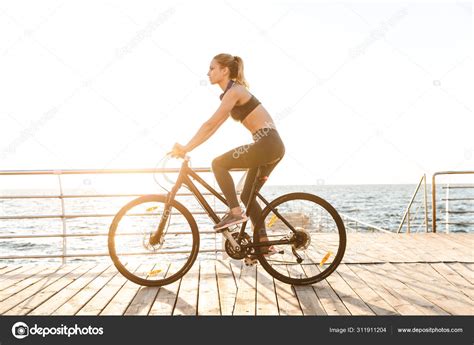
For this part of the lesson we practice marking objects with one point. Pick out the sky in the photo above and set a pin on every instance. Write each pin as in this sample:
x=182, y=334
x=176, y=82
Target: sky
x=360, y=92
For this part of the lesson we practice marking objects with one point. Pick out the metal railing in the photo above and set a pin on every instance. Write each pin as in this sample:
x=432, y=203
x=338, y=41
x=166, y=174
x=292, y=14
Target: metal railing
x=355, y=225
x=408, y=216
x=352, y=224
x=63, y=216
x=448, y=199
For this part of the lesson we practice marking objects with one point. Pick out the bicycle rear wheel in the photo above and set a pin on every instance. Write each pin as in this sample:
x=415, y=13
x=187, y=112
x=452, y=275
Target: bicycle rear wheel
x=131, y=251
x=320, y=238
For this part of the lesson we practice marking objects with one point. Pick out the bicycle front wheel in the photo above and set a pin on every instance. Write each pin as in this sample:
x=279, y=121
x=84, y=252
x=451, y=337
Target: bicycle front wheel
x=131, y=251
x=319, y=239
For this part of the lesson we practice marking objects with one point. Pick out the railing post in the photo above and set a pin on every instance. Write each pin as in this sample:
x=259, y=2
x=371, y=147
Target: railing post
x=447, y=208
x=63, y=218
x=426, y=204
x=433, y=202
x=407, y=211
x=408, y=221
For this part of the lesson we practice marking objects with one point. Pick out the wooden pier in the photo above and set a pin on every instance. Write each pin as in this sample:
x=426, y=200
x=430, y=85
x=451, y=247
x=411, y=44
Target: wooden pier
x=381, y=274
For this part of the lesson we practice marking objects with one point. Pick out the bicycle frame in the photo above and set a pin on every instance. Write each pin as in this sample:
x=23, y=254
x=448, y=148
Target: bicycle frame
x=186, y=175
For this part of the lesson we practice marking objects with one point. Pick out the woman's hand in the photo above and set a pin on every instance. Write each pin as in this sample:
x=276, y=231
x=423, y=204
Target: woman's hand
x=178, y=150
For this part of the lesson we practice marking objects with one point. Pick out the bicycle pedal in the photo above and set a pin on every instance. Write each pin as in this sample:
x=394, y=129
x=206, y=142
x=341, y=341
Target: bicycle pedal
x=230, y=229
x=250, y=261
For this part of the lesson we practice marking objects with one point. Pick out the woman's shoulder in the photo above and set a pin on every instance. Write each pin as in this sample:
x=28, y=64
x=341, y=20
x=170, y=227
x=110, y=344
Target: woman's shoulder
x=239, y=90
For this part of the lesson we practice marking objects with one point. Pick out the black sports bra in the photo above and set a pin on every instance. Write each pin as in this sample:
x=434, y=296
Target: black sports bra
x=240, y=112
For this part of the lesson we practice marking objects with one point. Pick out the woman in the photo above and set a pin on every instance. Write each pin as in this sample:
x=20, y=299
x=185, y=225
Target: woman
x=266, y=151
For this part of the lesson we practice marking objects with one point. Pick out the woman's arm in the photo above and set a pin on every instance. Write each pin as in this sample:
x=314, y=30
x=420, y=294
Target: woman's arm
x=210, y=126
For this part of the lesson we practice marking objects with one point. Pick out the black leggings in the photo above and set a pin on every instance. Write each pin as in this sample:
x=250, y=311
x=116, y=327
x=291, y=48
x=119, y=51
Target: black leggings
x=265, y=152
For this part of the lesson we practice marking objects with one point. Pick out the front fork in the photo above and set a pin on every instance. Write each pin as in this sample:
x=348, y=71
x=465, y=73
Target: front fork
x=158, y=236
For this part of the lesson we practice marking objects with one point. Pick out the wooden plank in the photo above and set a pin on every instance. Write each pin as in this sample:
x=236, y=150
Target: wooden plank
x=469, y=266
x=362, y=247
x=47, y=292
x=208, y=302
x=382, y=247
x=100, y=300
x=458, y=251
x=428, y=283
x=246, y=293
x=457, y=240
x=33, y=289
x=121, y=301
x=445, y=248
x=436, y=248
x=402, y=249
x=348, y=296
x=287, y=300
x=5, y=270
x=236, y=267
x=463, y=270
x=21, y=283
x=401, y=306
x=307, y=296
x=390, y=278
x=376, y=303
x=412, y=246
x=454, y=278
x=143, y=300
x=62, y=296
x=14, y=276
x=440, y=239
x=187, y=301
x=87, y=293
x=227, y=286
x=266, y=295
x=329, y=299
x=436, y=289
x=419, y=250
x=456, y=236
x=165, y=300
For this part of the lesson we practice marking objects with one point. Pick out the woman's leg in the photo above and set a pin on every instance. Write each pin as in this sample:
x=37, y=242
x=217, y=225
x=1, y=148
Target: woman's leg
x=254, y=207
x=267, y=150
x=220, y=167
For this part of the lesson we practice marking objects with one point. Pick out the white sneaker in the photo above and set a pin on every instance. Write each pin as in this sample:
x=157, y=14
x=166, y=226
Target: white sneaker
x=229, y=220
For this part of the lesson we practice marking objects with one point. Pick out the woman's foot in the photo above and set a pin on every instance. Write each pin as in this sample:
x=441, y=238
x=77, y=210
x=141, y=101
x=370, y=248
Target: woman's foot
x=230, y=219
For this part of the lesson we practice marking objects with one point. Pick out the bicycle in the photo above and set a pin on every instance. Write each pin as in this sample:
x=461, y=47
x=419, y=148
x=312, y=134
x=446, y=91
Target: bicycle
x=307, y=233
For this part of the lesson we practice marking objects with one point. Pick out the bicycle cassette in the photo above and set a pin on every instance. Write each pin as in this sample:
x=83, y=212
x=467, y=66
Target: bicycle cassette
x=301, y=238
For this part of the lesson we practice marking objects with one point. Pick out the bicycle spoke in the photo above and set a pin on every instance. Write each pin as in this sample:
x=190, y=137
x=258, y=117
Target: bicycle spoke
x=130, y=241
x=319, y=237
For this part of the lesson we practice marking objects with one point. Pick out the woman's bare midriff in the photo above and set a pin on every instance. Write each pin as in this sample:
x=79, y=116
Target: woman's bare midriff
x=257, y=119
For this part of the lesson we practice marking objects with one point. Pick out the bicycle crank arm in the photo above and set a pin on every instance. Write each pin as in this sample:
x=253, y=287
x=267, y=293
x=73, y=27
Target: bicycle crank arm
x=231, y=240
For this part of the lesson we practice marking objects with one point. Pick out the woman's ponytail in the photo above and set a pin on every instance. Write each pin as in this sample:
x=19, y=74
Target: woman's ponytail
x=235, y=65
x=240, y=77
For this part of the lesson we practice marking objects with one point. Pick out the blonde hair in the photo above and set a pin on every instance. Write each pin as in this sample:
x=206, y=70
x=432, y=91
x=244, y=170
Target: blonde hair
x=235, y=65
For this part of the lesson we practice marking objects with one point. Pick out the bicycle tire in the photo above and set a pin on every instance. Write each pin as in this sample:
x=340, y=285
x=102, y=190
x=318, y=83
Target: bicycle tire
x=340, y=229
x=121, y=266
